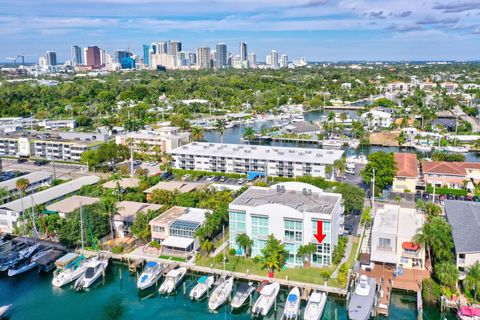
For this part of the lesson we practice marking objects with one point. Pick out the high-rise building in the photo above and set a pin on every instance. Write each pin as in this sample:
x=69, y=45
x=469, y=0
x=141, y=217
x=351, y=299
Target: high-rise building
x=51, y=58
x=175, y=47
x=268, y=60
x=274, y=59
x=125, y=59
x=203, y=57
x=146, y=54
x=162, y=47
x=193, y=58
x=243, y=51
x=77, y=58
x=221, y=56
x=284, y=61
x=93, y=57
x=252, y=60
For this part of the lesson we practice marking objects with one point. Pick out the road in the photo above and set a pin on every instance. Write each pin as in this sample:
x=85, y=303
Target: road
x=458, y=112
x=62, y=170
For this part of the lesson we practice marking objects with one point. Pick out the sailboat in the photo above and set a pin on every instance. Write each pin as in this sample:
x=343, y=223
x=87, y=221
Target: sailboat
x=22, y=266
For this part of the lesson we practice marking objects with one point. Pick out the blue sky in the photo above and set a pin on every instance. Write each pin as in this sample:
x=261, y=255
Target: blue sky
x=320, y=30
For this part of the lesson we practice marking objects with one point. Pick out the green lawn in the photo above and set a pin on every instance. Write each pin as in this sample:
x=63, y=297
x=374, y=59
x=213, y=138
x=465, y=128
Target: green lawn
x=173, y=258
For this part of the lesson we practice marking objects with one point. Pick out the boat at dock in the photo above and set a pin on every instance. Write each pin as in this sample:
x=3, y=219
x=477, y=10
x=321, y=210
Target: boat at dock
x=423, y=148
x=46, y=259
x=4, y=309
x=459, y=149
x=361, y=302
x=220, y=294
x=331, y=144
x=95, y=268
x=267, y=298
x=315, y=306
x=292, y=305
x=468, y=313
x=22, y=266
x=204, y=283
x=172, y=280
x=242, y=295
x=70, y=267
x=152, y=272
x=17, y=256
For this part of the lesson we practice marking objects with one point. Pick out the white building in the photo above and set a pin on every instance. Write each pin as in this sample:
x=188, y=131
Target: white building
x=239, y=158
x=398, y=86
x=11, y=211
x=144, y=141
x=391, y=239
x=58, y=124
x=378, y=119
x=37, y=180
x=291, y=211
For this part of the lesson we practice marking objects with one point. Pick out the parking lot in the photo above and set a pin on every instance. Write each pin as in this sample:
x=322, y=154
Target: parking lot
x=222, y=180
x=61, y=170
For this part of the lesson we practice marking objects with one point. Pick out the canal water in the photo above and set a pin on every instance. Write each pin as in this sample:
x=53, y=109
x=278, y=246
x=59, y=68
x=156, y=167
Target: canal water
x=33, y=297
x=233, y=135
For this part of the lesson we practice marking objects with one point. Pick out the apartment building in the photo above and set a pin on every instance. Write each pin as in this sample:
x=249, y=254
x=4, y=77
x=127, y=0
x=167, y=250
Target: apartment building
x=450, y=174
x=145, y=141
x=58, y=124
x=391, y=240
x=398, y=86
x=37, y=180
x=464, y=217
x=65, y=146
x=291, y=211
x=265, y=160
x=407, y=172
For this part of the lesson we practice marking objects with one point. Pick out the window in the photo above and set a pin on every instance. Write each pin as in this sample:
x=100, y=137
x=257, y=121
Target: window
x=158, y=229
x=293, y=230
x=384, y=243
x=404, y=260
x=237, y=226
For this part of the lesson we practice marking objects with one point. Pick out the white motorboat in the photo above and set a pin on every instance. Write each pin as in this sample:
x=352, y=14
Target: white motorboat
x=244, y=292
x=172, y=280
x=95, y=268
x=22, y=266
x=423, y=148
x=315, y=306
x=332, y=144
x=220, y=294
x=152, y=272
x=204, y=283
x=456, y=149
x=361, y=302
x=264, y=303
x=4, y=309
x=292, y=305
x=70, y=267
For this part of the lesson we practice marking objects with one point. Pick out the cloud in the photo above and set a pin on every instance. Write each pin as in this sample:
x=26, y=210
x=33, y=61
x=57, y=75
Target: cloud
x=434, y=21
x=404, y=14
x=315, y=3
x=457, y=7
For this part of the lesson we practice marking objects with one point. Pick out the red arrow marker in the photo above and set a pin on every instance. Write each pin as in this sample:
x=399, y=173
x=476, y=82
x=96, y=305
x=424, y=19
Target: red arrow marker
x=320, y=236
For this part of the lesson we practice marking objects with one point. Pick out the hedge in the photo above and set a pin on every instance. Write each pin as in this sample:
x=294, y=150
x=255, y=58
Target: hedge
x=178, y=173
x=453, y=192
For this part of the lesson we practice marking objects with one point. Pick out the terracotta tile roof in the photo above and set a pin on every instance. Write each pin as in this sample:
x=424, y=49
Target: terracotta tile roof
x=406, y=164
x=450, y=168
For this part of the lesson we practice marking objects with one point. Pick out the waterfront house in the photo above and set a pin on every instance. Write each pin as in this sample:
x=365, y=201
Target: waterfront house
x=378, y=119
x=291, y=211
x=67, y=206
x=175, y=230
x=239, y=158
x=126, y=214
x=450, y=174
x=407, y=172
x=124, y=183
x=391, y=239
x=11, y=211
x=177, y=186
x=37, y=180
x=464, y=217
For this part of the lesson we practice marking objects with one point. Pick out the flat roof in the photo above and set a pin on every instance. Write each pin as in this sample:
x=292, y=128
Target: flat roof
x=32, y=177
x=464, y=217
x=50, y=194
x=168, y=216
x=177, y=242
x=70, y=204
x=310, y=155
x=124, y=183
x=128, y=210
x=408, y=223
x=386, y=220
x=181, y=186
x=317, y=201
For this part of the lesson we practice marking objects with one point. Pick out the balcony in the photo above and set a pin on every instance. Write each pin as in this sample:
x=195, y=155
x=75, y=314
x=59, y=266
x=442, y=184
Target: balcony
x=410, y=254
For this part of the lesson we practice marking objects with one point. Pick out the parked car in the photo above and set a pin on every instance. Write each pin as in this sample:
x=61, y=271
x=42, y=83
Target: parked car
x=350, y=171
x=418, y=195
x=426, y=196
x=476, y=198
x=166, y=175
x=222, y=179
x=241, y=181
x=210, y=178
x=41, y=162
x=460, y=198
x=468, y=198
x=187, y=177
x=450, y=197
x=137, y=162
x=22, y=160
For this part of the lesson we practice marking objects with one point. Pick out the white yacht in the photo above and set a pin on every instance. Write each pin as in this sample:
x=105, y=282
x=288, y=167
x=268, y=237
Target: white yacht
x=361, y=302
x=315, y=306
x=292, y=305
x=332, y=144
x=458, y=149
x=70, y=267
x=204, y=283
x=243, y=294
x=152, y=272
x=220, y=294
x=95, y=268
x=23, y=265
x=423, y=147
x=172, y=280
x=267, y=297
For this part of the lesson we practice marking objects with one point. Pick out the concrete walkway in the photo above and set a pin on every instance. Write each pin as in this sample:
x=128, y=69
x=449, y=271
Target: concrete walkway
x=348, y=249
x=219, y=249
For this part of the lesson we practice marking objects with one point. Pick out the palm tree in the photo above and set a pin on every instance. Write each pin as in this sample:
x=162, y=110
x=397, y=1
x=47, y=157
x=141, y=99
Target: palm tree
x=366, y=218
x=447, y=273
x=306, y=252
x=197, y=133
x=244, y=242
x=21, y=185
x=109, y=207
x=117, y=178
x=329, y=170
x=424, y=238
x=3, y=194
x=339, y=166
x=472, y=280
x=220, y=127
x=249, y=134
x=274, y=254
x=343, y=116
x=206, y=246
x=331, y=118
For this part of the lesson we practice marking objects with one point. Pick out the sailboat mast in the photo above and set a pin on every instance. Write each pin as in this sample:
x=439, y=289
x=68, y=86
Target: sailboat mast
x=81, y=226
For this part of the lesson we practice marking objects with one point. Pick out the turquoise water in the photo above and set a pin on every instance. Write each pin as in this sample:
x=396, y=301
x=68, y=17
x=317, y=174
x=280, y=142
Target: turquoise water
x=33, y=297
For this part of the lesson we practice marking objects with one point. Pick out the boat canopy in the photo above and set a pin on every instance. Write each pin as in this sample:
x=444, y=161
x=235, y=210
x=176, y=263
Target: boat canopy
x=66, y=259
x=202, y=279
x=469, y=311
x=174, y=273
x=177, y=242
x=151, y=264
x=292, y=298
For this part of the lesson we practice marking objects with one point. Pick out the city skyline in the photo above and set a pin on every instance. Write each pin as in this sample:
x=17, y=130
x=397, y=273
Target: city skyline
x=321, y=30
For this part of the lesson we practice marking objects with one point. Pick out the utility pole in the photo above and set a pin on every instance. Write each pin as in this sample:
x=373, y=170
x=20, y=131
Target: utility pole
x=131, y=160
x=373, y=189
